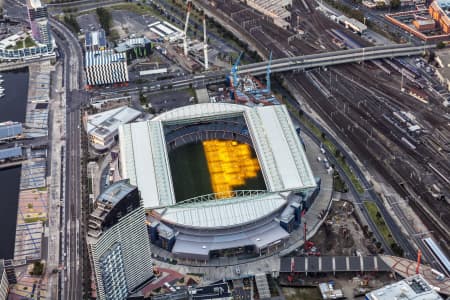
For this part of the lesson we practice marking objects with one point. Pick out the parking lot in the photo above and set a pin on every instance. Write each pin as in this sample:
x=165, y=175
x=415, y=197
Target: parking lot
x=168, y=100
x=88, y=22
x=126, y=23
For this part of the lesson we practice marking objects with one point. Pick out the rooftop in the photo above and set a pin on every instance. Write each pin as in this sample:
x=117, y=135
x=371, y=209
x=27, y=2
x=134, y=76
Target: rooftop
x=106, y=123
x=115, y=192
x=105, y=203
x=96, y=38
x=10, y=152
x=414, y=287
x=131, y=44
x=103, y=57
x=34, y=3
x=223, y=213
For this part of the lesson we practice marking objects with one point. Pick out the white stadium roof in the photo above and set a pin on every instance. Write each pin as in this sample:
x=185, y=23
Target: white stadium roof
x=280, y=153
x=223, y=213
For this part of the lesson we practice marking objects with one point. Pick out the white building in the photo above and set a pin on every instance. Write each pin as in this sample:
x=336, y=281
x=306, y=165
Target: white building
x=118, y=243
x=102, y=128
x=411, y=288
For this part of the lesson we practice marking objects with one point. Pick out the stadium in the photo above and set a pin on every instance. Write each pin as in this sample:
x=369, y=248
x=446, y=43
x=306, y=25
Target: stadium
x=219, y=179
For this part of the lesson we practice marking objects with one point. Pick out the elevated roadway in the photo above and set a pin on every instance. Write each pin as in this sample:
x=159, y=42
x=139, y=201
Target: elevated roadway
x=334, y=58
x=282, y=65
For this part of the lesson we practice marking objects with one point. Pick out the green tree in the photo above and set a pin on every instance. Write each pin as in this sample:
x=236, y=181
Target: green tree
x=395, y=4
x=105, y=18
x=440, y=45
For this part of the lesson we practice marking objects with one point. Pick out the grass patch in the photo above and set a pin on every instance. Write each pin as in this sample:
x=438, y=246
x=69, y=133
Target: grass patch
x=339, y=184
x=42, y=189
x=35, y=219
x=377, y=218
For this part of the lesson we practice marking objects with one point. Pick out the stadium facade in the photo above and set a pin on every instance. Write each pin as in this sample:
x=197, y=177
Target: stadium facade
x=246, y=222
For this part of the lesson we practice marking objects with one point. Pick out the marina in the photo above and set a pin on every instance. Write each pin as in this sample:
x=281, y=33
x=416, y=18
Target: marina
x=13, y=101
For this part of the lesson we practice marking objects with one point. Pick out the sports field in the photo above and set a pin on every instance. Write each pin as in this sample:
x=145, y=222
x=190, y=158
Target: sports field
x=190, y=169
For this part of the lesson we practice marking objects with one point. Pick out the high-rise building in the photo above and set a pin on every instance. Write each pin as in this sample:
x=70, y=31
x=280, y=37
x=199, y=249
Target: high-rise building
x=118, y=242
x=3, y=281
x=40, y=29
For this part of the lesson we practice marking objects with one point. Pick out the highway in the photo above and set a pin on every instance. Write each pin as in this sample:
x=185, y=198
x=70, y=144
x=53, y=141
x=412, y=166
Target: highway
x=73, y=80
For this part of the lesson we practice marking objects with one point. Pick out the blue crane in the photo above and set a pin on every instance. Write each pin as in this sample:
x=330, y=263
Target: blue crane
x=268, y=73
x=234, y=70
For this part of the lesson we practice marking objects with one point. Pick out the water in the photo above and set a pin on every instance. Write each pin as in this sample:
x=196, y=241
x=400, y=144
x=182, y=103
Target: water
x=12, y=108
x=13, y=105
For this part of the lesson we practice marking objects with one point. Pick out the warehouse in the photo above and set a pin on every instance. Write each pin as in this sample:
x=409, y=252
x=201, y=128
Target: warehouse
x=275, y=9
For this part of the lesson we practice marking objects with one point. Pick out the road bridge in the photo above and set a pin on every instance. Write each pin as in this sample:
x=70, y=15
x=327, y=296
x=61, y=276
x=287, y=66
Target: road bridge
x=334, y=58
x=292, y=63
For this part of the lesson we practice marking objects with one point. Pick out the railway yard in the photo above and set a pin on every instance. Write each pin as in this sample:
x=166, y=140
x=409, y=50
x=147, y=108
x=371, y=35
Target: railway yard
x=396, y=125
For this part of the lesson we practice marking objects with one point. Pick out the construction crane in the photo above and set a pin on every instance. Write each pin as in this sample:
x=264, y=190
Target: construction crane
x=205, y=43
x=268, y=87
x=188, y=13
x=234, y=70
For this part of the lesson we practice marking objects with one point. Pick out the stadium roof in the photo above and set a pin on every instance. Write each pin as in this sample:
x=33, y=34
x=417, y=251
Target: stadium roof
x=223, y=213
x=281, y=155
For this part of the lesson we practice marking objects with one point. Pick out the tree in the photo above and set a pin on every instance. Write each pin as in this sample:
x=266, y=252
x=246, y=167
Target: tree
x=337, y=153
x=395, y=4
x=440, y=45
x=38, y=268
x=378, y=215
x=142, y=98
x=105, y=19
x=323, y=135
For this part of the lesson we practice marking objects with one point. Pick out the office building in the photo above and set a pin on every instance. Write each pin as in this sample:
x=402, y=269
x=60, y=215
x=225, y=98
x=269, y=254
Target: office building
x=103, y=128
x=118, y=242
x=40, y=28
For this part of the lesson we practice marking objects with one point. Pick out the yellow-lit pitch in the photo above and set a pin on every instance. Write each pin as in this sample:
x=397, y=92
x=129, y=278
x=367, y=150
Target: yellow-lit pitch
x=230, y=164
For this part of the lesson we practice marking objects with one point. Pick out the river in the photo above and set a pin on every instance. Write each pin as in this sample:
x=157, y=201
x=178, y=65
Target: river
x=12, y=108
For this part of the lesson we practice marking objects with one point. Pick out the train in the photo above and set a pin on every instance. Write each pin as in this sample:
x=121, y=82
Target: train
x=439, y=254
